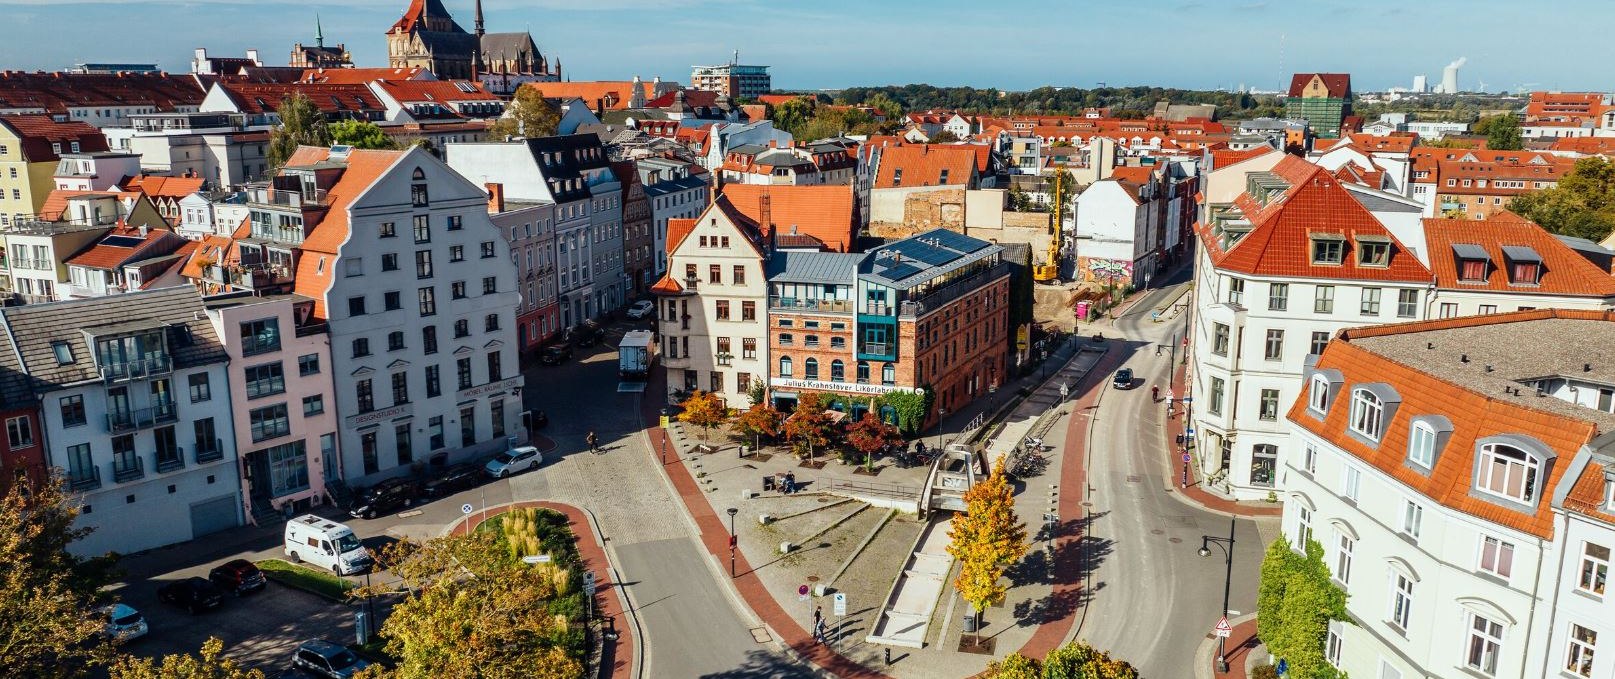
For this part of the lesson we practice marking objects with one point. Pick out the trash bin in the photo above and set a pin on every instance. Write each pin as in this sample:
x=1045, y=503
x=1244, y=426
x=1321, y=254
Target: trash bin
x=744, y=450
x=970, y=623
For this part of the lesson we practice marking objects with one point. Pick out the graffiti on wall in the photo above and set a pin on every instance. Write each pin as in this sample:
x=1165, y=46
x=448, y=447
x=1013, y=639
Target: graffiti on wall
x=1113, y=271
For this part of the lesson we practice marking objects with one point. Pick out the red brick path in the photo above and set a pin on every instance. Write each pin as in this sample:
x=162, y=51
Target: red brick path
x=1240, y=644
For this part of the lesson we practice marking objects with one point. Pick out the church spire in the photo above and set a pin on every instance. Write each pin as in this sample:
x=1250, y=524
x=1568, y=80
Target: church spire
x=479, y=19
x=319, y=33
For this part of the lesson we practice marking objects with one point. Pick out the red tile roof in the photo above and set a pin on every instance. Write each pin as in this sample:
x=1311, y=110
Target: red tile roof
x=1564, y=271
x=57, y=92
x=37, y=134
x=1395, y=142
x=692, y=97
x=1280, y=240
x=438, y=91
x=923, y=164
x=361, y=76
x=822, y=211
x=1593, y=146
x=1137, y=174
x=56, y=201
x=364, y=167
x=1587, y=496
x=777, y=99
x=330, y=99
x=163, y=187
x=1338, y=84
x=210, y=249
x=104, y=255
x=614, y=94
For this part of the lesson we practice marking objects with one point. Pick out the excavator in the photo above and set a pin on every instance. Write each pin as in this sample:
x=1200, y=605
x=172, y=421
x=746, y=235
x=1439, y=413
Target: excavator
x=1050, y=272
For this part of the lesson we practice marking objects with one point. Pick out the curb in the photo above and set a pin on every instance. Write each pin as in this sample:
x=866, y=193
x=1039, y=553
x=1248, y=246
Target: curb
x=1206, y=654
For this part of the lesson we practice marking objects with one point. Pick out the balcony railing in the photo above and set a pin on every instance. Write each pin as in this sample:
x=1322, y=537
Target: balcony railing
x=176, y=460
x=295, y=198
x=691, y=283
x=84, y=479
x=127, y=468
x=139, y=368
x=839, y=305
x=876, y=309
x=212, y=454
x=34, y=226
x=126, y=420
x=876, y=348
x=252, y=276
x=939, y=297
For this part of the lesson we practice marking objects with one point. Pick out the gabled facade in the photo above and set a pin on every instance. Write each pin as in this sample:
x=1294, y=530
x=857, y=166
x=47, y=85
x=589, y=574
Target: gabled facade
x=30, y=148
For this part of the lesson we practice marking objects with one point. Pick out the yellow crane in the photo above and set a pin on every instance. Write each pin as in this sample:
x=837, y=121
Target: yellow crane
x=1050, y=271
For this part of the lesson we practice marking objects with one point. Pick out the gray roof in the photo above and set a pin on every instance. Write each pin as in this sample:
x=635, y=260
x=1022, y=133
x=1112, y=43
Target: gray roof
x=34, y=328
x=1375, y=200
x=1470, y=251
x=1584, y=246
x=509, y=45
x=922, y=257
x=14, y=384
x=1521, y=253
x=667, y=186
x=835, y=268
x=749, y=149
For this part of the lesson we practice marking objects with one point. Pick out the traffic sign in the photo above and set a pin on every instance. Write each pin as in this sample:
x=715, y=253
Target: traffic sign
x=1223, y=629
x=1185, y=457
x=802, y=593
x=1283, y=667
x=840, y=606
x=1187, y=399
x=588, y=583
x=465, y=508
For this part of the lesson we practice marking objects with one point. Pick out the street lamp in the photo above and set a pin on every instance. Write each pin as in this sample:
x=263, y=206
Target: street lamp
x=732, y=512
x=1227, y=545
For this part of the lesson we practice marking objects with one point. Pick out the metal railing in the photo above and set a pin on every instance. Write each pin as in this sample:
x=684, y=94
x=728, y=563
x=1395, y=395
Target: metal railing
x=127, y=468
x=136, y=368
x=176, y=460
x=84, y=479
x=126, y=420
x=936, y=299
x=875, y=348
x=837, y=305
x=283, y=197
x=213, y=454
x=251, y=276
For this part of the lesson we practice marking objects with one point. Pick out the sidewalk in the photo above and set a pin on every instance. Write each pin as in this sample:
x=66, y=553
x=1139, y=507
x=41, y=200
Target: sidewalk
x=1196, y=492
x=1242, y=645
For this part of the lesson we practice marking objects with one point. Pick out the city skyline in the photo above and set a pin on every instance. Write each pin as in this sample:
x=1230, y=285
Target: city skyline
x=666, y=38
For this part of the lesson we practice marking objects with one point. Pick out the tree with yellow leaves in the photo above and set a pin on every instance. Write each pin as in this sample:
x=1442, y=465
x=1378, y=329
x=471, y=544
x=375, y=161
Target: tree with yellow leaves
x=985, y=539
x=210, y=664
x=705, y=410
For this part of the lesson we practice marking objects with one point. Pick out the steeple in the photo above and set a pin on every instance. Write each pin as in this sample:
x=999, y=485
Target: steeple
x=477, y=65
x=319, y=33
x=478, y=19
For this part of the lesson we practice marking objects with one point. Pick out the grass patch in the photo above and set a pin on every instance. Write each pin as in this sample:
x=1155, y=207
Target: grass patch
x=317, y=582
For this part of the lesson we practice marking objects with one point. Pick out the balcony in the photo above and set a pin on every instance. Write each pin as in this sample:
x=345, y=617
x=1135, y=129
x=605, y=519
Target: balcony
x=34, y=226
x=940, y=297
x=176, y=460
x=286, y=197
x=798, y=304
x=127, y=468
x=876, y=348
x=211, y=454
x=876, y=309
x=129, y=420
x=84, y=479
x=140, y=368
x=251, y=276
x=690, y=284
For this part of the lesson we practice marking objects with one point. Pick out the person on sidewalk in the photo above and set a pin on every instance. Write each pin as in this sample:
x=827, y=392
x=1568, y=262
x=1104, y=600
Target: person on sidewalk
x=593, y=441
x=1155, y=393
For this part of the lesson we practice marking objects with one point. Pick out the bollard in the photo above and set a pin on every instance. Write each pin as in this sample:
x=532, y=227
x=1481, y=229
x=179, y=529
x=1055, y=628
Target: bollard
x=888, y=655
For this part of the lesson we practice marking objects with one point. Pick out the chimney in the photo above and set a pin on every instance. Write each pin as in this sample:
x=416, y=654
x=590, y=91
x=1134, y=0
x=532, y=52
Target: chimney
x=496, y=197
x=252, y=56
x=142, y=230
x=765, y=212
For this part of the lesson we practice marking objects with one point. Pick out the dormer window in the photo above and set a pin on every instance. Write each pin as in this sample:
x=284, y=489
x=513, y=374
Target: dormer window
x=1508, y=472
x=1473, y=262
x=1373, y=251
x=1524, y=265
x=1367, y=414
x=1318, y=393
x=1422, y=445
x=1328, y=249
x=897, y=177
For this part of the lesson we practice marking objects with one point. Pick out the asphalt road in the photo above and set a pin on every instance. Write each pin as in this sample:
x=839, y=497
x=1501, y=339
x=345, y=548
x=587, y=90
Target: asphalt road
x=1152, y=598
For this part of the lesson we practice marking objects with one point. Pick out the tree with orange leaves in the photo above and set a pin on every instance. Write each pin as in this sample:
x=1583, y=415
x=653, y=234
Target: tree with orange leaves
x=985, y=539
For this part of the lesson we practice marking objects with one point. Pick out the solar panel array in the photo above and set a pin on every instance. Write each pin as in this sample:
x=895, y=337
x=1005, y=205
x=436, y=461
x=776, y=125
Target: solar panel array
x=932, y=248
x=122, y=241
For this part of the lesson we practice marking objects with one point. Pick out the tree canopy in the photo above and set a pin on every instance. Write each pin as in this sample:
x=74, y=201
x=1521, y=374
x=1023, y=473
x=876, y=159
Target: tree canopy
x=301, y=124
x=808, y=425
x=1582, y=205
x=360, y=134
x=705, y=410
x=985, y=539
x=1502, y=132
x=208, y=664
x=528, y=115
x=760, y=421
x=1295, y=603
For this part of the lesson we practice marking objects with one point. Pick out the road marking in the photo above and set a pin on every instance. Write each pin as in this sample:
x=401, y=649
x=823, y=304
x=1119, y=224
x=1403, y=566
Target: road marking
x=412, y=512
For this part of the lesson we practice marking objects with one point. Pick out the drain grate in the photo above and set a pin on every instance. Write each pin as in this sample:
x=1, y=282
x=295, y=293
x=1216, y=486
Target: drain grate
x=1134, y=478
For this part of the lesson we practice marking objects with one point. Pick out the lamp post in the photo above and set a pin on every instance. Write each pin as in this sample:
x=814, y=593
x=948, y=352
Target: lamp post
x=732, y=512
x=1227, y=545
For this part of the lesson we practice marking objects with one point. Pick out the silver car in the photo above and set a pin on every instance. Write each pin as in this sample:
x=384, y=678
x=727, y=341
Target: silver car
x=513, y=461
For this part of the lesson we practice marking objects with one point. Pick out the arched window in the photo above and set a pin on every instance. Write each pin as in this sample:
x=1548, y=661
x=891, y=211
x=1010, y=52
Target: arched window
x=863, y=372
x=418, y=175
x=1509, y=472
x=838, y=371
x=810, y=369
x=1366, y=413
x=785, y=366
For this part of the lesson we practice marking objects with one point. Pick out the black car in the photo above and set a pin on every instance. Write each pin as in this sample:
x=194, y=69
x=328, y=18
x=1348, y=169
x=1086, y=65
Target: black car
x=454, y=479
x=1124, y=379
x=586, y=334
x=237, y=577
x=384, y=498
x=192, y=594
x=555, y=354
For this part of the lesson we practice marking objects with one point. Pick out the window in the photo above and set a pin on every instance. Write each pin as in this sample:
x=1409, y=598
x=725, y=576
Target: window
x=1401, y=600
x=1370, y=305
x=714, y=274
x=1309, y=458
x=739, y=275
x=417, y=192
x=1278, y=296
x=427, y=298
x=1323, y=301
x=64, y=352
x=1219, y=339
x=434, y=428
x=462, y=372
x=386, y=230
x=429, y=339
x=395, y=340
x=1303, y=527
x=390, y=301
x=73, y=411
x=1216, y=396
x=1236, y=291
x=313, y=405
x=269, y=422
x=434, y=386
x=361, y=347
x=1351, y=482
x=487, y=249
x=462, y=328
x=468, y=425
x=715, y=381
x=456, y=253
x=1594, y=568
x=1508, y=472
x=1318, y=393
x=1331, y=649
x=264, y=380
x=364, y=395
x=1472, y=270
x=1524, y=273
x=400, y=388
x=1319, y=341
x=1422, y=445
x=810, y=369
x=356, y=306
x=490, y=323
x=423, y=263
x=1270, y=405
x=748, y=311
x=201, y=389
x=838, y=371
x=1487, y=309
x=1450, y=309
x=748, y=347
x=1366, y=411
x=723, y=310
x=490, y=285
x=454, y=222
x=494, y=371
x=785, y=366
x=1328, y=250
x=19, y=432
x=1485, y=644
x=1274, y=349
x=1579, y=657
x=257, y=337
x=1343, y=548
x=1412, y=518
x=1497, y=557
x=743, y=382
x=1373, y=253
x=423, y=229
x=403, y=447
x=1407, y=303
x=352, y=266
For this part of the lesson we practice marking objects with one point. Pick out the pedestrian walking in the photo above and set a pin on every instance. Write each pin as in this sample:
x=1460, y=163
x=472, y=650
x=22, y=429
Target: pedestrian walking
x=818, y=615
x=593, y=441
x=818, y=632
x=1155, y=393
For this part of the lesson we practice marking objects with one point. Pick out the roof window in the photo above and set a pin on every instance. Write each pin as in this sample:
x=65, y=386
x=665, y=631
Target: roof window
x=1524, y=265
x=1473, y=263
x=63, y=352
x=1328, y=248
x=1373, y=250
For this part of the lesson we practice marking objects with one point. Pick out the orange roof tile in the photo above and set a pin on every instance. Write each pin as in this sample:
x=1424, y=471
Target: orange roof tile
x=613, y=94
x=440, y=91
x=1564, y=271
x=361, y=76
x=164, y=187
x=208, y=249
x=37, y=133
x=320, y=248
x=1137, y=174
x=1587, y=496
x=677, y=231
x=923, y=165
x=824, y=212
x=266, y=97
x=111, y=255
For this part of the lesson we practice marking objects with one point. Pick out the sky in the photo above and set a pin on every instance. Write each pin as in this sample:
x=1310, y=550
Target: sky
x=828, y=44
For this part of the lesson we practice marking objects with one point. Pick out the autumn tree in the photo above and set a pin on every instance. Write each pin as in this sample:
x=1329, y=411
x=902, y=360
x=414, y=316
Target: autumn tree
x=759, y=421
x=49, y=625
x=1013, y=666
x=1295, y=602
x=809, y=426
x=528, y=115
x=985, y=539
x=301, y=124
x=360, y=134
x=209, y=664
x=869, y=435
x=1077, y=660
x=705, y=410
x=1581, y=205
x=471, y=610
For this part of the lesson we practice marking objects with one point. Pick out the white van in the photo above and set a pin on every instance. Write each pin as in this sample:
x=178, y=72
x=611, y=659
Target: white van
x=325, y=543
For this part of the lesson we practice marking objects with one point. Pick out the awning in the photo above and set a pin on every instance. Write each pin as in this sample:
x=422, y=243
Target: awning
x=1470, y=251
x=1521, y=253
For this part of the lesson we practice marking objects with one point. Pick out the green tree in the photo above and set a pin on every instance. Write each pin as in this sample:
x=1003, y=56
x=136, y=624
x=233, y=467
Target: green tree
x=209, y=664
x=1581, y=205
x=792, y=115
x=528, y=115
x=1013, y=666
x=911, y=408
x=705, y=410
x=1068, y=193
x=360, y=134
x=1502, y=132
x=1295, y=602
x=757, y=393
x=945, y=137
x=301, y=124
x=49, y=625
x=985, y=539
x=888, y=107
x=1077, y=660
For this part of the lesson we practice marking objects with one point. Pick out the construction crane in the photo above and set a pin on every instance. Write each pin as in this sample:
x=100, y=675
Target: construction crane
x=1050, y=272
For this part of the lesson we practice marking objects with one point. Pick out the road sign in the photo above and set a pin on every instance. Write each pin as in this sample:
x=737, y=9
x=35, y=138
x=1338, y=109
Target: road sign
x=1185, y=457
x=840, y=606
x=465, y=508
x=1223, y=629
x=588, y=583
x=1051, y=518
x=1189, y=431
x=802, y=593
x=1187, y=399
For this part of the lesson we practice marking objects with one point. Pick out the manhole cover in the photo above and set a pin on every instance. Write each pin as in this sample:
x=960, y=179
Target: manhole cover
x=1134, y=478
x=760, y=635
x=1174, y=540
x=1157, y=531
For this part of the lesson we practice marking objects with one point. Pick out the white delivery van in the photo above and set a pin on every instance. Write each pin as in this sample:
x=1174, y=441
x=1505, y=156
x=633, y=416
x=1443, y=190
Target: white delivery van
x=635, y=355
x=325, y=543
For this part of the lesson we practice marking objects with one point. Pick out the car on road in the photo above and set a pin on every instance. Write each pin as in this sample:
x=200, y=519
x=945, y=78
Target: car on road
x=641, y=309
x=124, y=623
x=454, y=479
x=192, y=594
x=384, y=498
x=555, y=354
x=1124, y=379
x=237, y=577
x=586, y=334
x=327, y=659
x=513, y=461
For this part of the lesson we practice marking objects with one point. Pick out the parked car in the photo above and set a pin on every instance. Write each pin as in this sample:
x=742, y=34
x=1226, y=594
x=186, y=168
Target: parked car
x=1124, y=379
x=641, y=309
x=327, y=659
x=237, y=577
x=586, y=334
x=124, y=623
x=456, y=478
x=384, y=498
x=514, y=461
x=555, y=354
x=192, y=594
